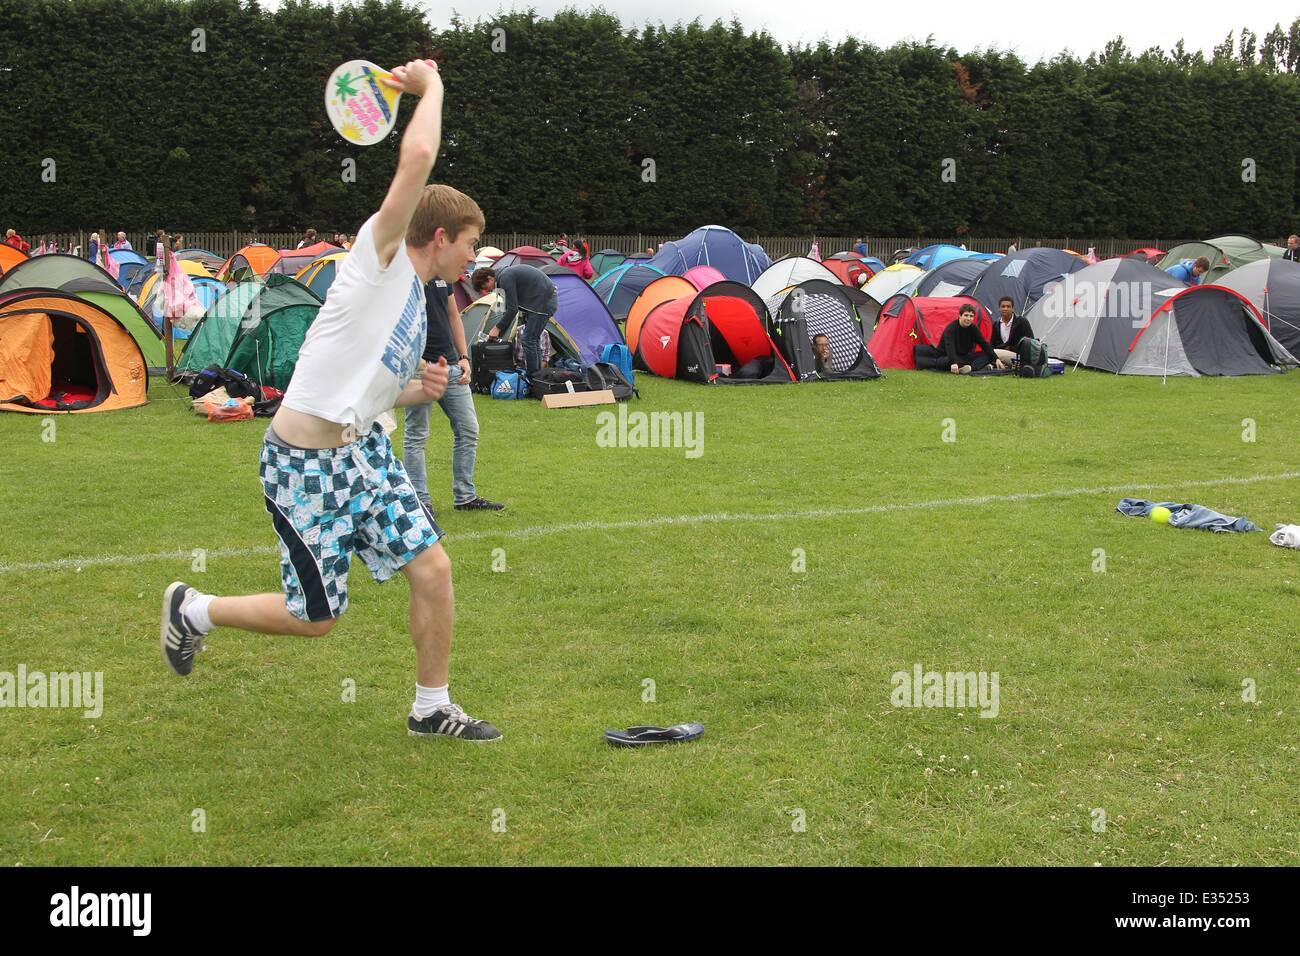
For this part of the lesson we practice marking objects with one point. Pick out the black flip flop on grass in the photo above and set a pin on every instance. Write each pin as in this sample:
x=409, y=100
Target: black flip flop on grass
x=642, y=736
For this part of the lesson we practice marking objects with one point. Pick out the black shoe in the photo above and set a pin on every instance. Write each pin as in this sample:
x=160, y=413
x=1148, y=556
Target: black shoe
x=179, y=641
x=479, y=504
x=451, y=721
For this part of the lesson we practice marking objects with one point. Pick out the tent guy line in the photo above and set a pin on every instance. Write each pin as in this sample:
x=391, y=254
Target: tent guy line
x=75, y=564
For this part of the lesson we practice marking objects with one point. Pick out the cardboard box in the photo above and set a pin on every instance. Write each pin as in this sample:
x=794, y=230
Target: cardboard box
x=578, y=399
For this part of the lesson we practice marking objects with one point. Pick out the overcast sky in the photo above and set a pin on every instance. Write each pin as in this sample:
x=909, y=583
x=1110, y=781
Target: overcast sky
x=1033, y=31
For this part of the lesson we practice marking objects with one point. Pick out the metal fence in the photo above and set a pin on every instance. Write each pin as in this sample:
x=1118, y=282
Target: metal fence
x=226, y=244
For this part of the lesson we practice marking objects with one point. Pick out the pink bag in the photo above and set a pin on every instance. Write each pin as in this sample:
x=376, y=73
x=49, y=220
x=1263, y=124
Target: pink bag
x=180, y=301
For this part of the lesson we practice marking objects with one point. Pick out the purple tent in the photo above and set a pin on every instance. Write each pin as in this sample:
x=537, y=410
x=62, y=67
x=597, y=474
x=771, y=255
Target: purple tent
x=582, y=319
x=715, y=246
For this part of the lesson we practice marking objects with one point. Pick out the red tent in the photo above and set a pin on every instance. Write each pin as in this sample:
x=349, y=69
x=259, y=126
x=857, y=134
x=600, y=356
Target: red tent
x=525, y=255
x=905, y=323
x=726, y=324
x=849, y=271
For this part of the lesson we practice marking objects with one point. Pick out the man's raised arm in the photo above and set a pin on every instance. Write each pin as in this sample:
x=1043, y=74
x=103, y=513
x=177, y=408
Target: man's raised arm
x=418, y=152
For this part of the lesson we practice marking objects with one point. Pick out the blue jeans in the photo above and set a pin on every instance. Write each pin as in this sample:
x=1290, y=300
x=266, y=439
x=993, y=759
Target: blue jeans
x=458, y=404
x=534, y=325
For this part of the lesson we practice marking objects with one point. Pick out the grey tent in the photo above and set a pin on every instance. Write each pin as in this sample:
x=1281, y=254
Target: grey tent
x=818, y=307
x=1273, y=287
x=1023, y=275
x=1091, y=316
x=1205, y=330
x=948, y=279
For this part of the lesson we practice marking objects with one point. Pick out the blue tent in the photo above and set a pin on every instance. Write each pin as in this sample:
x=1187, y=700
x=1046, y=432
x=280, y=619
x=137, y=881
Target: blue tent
x=128, y=261
x=1023, y=275
x=932, y=257
x=715, y=246
x=208, y=291
x=619, y=287
x=583, y=317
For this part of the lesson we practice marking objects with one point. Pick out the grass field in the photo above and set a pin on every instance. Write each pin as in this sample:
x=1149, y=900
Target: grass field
x=1120, y=690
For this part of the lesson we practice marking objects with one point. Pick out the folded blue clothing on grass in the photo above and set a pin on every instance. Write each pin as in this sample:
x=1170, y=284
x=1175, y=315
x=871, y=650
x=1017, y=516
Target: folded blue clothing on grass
x=1184, y=515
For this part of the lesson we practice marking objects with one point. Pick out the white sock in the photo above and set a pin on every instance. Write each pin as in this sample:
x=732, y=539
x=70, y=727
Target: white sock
x=196, y=613
x=429, y=699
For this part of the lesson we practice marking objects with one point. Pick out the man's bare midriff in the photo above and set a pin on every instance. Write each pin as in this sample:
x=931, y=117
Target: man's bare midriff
x=307, y=431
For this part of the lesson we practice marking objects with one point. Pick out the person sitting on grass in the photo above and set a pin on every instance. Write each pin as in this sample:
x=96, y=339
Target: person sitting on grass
x=330, y=481
x=1008, y=332
x=956, y=350
x=1189, y=271
x=821, y=346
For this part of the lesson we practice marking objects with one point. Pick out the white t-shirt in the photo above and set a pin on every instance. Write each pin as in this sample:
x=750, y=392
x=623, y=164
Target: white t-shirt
x=365, y=344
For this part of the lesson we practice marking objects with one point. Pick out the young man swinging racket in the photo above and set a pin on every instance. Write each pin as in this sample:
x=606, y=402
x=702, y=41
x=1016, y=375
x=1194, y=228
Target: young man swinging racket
x=331, y=483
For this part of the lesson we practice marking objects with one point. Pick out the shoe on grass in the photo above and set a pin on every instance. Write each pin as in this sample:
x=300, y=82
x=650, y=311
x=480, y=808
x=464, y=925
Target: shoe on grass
x=179, y=641
x=479, y=504
x=451, y=721
x=965, y=370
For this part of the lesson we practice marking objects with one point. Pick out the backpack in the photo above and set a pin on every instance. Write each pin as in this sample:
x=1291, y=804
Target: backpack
x=621, y=356
x=511, y=384
x=1032, y=356
x=603, y=375
x=236, y=384
x=553, y=381
x=487, y=357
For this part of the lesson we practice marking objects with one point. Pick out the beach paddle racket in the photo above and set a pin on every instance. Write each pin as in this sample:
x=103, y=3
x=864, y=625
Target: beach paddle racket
x=362, y=107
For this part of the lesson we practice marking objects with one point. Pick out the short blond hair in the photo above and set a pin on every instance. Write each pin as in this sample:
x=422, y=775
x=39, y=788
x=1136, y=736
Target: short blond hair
x=442, y=207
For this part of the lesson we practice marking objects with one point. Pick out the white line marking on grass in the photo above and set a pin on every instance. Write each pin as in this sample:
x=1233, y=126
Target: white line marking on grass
x=537, y=531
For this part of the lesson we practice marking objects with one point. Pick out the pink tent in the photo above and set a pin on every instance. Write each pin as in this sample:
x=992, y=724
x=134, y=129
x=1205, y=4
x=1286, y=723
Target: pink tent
x=703, y=276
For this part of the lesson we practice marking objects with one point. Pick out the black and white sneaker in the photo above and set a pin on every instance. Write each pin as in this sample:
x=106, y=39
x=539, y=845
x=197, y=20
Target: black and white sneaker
x=179, y=641
x=451, y=721
x=479, y=504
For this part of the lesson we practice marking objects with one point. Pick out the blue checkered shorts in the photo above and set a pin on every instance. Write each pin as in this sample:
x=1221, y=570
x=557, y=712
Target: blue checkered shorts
x=330, y=503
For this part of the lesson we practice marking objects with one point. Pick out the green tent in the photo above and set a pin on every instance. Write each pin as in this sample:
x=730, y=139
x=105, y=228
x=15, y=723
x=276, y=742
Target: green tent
x=209, y=343
x=87, y=281
x=1225, y=254
x=274, y=325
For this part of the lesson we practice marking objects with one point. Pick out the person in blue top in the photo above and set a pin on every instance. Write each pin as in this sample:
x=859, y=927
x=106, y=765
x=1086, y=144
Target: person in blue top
x=1189, y=271
x=859, y=247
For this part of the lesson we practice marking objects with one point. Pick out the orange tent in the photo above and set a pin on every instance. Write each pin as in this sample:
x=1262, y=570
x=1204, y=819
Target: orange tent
x=663, y=289
x=10, y=257
x=59, y=353
x=256, y=256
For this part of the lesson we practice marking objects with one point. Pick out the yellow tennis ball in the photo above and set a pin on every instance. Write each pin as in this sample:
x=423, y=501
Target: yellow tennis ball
x=1160, y=515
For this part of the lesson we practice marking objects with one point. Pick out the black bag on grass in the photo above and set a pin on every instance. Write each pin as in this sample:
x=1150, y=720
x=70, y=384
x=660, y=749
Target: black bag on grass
x=552, y=381
x=237, y=384
x=1033, y=358
x=603, y=375
x=487, y=357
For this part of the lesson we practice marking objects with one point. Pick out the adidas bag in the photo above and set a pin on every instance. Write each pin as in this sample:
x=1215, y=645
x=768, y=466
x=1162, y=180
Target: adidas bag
x=1032, y=355
x=620, y=356
x=512, y=384
x=487, y=357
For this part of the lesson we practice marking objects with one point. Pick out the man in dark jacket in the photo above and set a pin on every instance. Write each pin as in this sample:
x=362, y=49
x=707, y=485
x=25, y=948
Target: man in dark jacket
x=525, y=291
x=1292, y=253
x=956, y=351
x=1009, y=330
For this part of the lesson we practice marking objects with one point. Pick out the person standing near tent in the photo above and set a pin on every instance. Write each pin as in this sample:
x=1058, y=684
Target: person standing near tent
x=18, y=242
x=1189, y=271
x=527, y=292
x=92, y=247
x=308, y=239
x=1292, y=251
x=956, y=350
x=859, y=247
x=1009, y=330
x=122, y=242
x=331, y=483
x=446, y=341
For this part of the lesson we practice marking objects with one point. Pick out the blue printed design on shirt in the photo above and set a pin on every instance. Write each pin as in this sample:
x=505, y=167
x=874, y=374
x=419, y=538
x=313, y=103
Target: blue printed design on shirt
x=402, y=353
